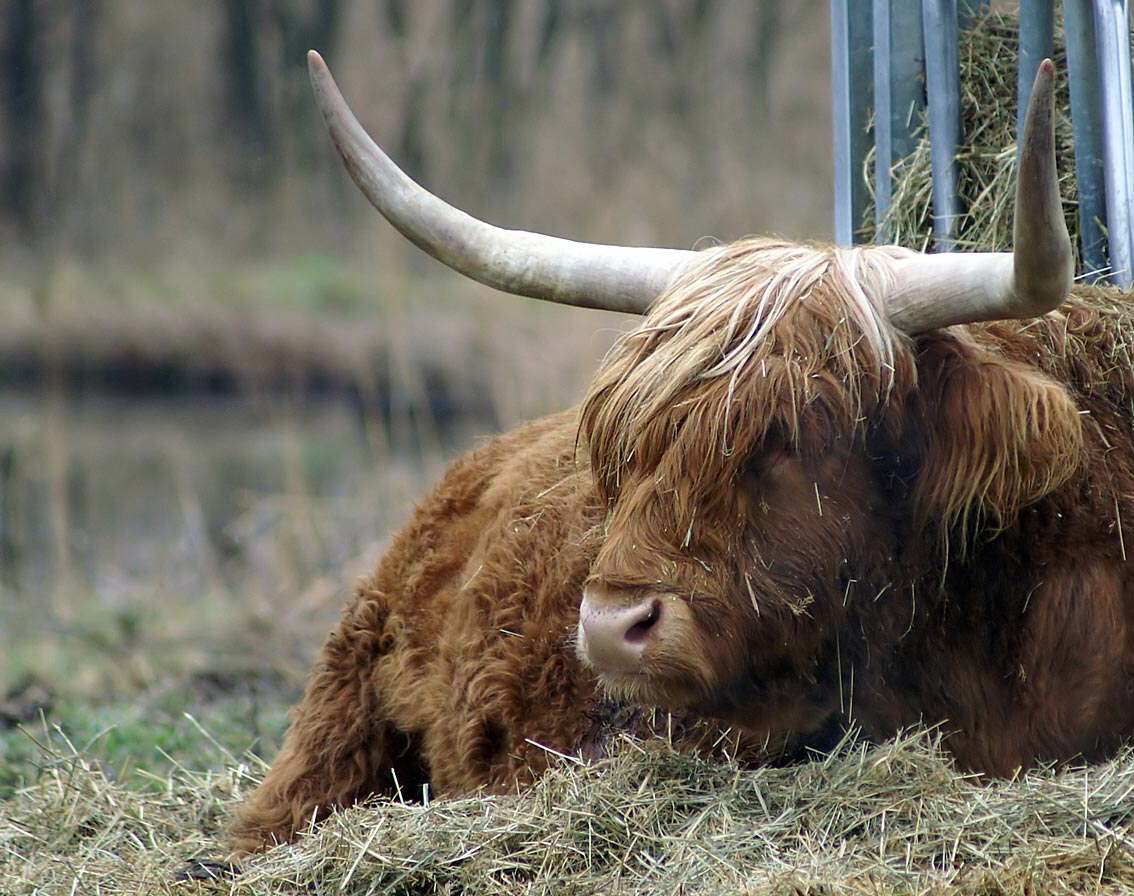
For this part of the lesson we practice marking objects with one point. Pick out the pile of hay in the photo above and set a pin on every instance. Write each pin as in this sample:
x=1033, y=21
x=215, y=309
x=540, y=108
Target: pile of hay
x=896, y=818
x=986, y=178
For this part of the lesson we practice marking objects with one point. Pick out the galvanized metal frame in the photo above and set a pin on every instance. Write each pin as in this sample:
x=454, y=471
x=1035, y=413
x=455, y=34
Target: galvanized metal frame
x=852, y=62
x=1112, y=35
x=1086, y=124
x=899, y=61
x=900, y=40
x=943, y=84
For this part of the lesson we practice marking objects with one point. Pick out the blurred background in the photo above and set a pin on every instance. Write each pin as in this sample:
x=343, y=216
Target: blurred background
x=224, y=379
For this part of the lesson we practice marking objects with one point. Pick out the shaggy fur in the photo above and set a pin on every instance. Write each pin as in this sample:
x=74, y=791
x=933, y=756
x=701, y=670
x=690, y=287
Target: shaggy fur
x=860, y=527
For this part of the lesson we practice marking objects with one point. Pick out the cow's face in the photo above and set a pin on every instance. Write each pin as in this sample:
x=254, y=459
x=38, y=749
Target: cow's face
x=728, y=436
x=766, y=445
x=735, y=612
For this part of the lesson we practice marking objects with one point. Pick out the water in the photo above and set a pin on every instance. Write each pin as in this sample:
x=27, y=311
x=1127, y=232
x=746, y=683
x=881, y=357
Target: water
x=187, y=512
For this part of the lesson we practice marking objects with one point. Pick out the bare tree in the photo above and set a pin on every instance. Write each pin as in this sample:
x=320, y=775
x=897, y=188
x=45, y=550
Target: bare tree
x=246, y=109
x=22, y=95
x=299, y=26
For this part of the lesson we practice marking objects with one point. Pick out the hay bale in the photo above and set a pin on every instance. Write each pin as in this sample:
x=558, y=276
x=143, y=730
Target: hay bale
x=986, y=177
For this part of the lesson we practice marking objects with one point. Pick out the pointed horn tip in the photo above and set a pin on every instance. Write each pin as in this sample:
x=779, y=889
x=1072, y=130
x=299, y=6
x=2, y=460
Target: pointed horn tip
x=316, y=66
x=1045, y=78
x=327, y=96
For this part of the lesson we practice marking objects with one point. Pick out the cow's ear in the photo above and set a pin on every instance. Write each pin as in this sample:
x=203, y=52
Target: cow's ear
x=995, y=435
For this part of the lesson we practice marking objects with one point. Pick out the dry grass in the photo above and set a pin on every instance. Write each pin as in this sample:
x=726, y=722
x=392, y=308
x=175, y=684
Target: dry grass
x=986, y=160
x=896, y=818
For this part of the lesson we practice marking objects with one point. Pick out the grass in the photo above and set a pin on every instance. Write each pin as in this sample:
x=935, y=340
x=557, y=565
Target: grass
x=895, y=818
x=317, y=283
x=160, y=696
x=148, y=735
x=148, y=659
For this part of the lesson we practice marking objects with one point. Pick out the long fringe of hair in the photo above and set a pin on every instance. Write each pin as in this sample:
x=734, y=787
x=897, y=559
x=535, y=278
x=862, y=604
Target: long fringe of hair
x=758, y=341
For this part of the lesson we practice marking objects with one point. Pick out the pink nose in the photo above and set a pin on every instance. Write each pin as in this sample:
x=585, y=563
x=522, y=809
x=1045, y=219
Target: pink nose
x=614, y=634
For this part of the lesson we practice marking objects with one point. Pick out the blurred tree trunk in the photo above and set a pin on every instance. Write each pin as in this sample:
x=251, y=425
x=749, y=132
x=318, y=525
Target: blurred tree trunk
x=82, y=84
x=604, y=21
x=502, y=91
x=267, y=101
x=396, y=17
x=765, y=43
x=57, y=184
x=85, y=82
x=550, y=30
x=301, y=26
x=22, y=94
x=246, y=108
x=483, y=88
x=411, y=149
x=408, y=144
x=702, y=11
x=11, y=547
x=305, y=26
x=463, y=40
x=680, y=34
x=462, y=90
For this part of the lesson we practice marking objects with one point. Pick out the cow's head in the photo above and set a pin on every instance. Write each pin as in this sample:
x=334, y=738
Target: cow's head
x=771, y=449
x=782, y=417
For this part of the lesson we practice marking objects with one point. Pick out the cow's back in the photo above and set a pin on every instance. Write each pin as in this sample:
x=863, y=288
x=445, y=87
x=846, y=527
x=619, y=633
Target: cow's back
x=476, y=603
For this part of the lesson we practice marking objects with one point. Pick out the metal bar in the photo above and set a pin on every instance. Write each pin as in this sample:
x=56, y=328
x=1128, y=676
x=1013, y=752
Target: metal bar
x=1112, y=32
x=851, y=65
x=898, y=63
x=1037, y=43
x=1086, y=125
x=943, y=87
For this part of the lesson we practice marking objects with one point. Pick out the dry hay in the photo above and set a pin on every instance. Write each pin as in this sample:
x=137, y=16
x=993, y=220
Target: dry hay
x=895, y=818
x=986, y=177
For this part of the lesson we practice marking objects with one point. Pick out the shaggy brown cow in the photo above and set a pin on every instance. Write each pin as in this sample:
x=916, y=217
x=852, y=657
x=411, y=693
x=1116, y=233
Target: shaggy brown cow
x=800, y=493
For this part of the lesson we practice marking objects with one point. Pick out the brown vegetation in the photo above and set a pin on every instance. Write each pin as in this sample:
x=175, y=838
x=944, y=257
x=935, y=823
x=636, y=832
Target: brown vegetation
x=177, y=141
x=894, y=819
x=150, y=132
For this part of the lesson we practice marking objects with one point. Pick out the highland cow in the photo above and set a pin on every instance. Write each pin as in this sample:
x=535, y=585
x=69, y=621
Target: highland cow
x=815, y=487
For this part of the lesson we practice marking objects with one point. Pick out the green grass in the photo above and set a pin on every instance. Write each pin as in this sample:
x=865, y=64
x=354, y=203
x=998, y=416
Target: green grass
x=142, y=739
x=312, y=283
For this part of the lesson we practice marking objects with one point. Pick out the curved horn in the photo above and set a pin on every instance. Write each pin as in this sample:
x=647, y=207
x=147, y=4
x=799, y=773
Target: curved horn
x=951, y=288
x=613, y=278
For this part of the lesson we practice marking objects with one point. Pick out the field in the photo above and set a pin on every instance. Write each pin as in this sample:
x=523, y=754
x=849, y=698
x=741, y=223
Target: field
x=186, y=500
x=150, y=658
x=223, y=381
x=207, y=435
x=891, y=819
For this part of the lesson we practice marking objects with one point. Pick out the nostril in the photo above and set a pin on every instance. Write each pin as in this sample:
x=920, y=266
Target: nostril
x=616, y=635
x=641, y=628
